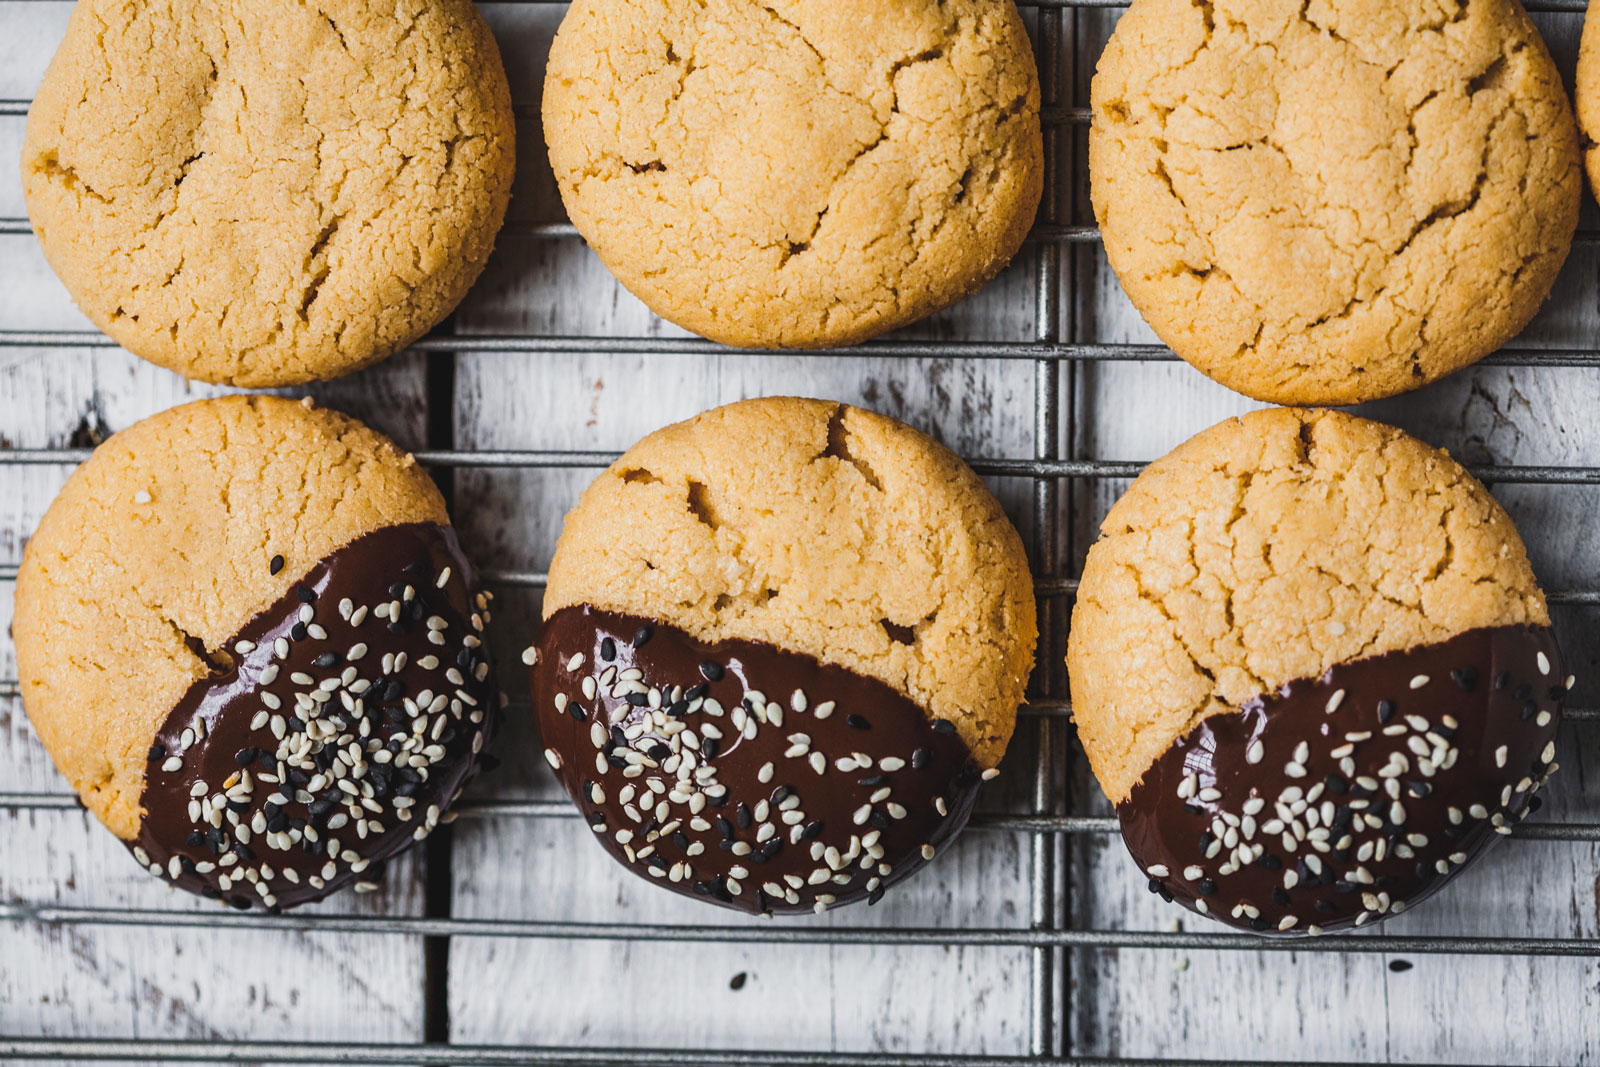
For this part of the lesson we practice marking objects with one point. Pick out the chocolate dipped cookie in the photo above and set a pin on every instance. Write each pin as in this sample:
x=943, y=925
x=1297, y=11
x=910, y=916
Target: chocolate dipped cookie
x=248, y=637
x=784, y=642
x=1312, y=669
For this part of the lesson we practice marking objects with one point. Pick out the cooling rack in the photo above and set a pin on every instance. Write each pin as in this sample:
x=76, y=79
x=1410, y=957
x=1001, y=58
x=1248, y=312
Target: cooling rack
x=1048, y=811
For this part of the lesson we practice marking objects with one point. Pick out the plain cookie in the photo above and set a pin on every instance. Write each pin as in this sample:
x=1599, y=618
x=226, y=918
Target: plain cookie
x=266, y=195
x=1332, y=203
x=1312, y=668
x=248, y=638
x=783, y=642
x=793, y=174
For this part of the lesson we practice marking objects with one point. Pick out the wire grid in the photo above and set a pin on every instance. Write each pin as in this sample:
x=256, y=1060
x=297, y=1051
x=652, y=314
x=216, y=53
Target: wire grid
x=1054, y=472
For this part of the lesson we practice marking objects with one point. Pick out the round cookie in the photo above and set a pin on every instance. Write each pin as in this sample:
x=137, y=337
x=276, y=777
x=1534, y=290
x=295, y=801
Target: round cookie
x=1332, y=203
x=791, y=174
x=783, y=642
x=1312, y=669
x=248, y=638
x=1586, y=93
x=266, y=195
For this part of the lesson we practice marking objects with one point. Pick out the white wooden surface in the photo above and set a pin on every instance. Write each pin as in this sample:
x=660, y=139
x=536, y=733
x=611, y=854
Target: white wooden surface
x=98, y=981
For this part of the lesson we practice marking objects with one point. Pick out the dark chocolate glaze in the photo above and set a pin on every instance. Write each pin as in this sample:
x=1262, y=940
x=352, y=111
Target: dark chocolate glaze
x=1465, y=728
x=741, y=816
x=371, y=765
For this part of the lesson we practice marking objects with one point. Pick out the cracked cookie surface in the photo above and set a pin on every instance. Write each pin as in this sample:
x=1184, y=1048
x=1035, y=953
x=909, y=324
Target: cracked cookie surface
x=1269, y=549
x=155, y=554
x=267, y=195
x=1320, y=202
x=825, y=530
x=796, y=174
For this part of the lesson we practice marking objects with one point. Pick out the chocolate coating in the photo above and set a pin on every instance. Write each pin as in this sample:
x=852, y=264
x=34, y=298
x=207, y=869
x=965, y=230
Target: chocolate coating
x=373, y=746
x=1341, y=800
x=696, y=764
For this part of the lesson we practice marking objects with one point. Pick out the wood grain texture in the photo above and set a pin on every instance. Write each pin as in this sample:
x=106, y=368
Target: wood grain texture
x=66, y=980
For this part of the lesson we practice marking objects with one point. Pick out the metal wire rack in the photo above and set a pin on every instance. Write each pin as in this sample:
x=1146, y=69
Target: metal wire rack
x=1055, y=352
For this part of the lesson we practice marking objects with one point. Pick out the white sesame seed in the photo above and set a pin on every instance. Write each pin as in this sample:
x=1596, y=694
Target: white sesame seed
x=1544, y=663
x=1419, y=681
x=1500, y=756
x=551, y=756
x=575, y=663
x=823, y=710
x=819, y=762
x=1334, y=701
x=990, y=774
x=1253, y=754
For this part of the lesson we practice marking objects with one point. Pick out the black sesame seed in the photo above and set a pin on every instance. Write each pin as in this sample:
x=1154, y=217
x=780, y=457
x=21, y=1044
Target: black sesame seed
x=696, y=692
x=773, y=846
x=327, y=659
x=743, y=817
x=1259, y=924
x=297, y=632
x=1385, y=711
x=724, y=827
x=1529, y=710
x=608, y=649
x=944, y=726
x=873, y=782
x=1206, y=839
x=920, y=759
x=780, y=794
x=638, y=700
x=1154, y=885
x=1336, y=783
x=157, y=751
x=1206, y=888
x=397, y=627
x=1400, y=966
x=879, y=819
x=811, y=831
x=1165, y=893
x=1342, y=886
x=275, y=565
x=1270, y=862
x=306, y=594
x=1279, y=897
x=397, y=590
x=856, y=722
x=575, y=711
x=701, y=888
x=195, y=839
x=1466, y=678
x=1327, y=907
x=875, y=896
x=711, y=671
x=709, y=749
x=1419, y=789
x=240, y=903
x=641, y=635
x=1193, y=809
x=680, y=839
x=1502, y=679
x=1454, y=833
x=1523, y=691
x=244, y=757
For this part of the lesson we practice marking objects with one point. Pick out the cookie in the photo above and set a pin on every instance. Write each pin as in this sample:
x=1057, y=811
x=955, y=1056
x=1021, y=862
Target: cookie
x=791, y=174
x=784, y=641
x=265, y=194
x=1334, y=202
x=248, y=637
x=1586, y=93
x=1312, y=669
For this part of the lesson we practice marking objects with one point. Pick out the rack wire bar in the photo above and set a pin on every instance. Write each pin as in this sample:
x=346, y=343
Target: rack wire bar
x=1041, y=467
x=1033, y=351
x=210, y=1051
x=1040, y=823
x=774, y=934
